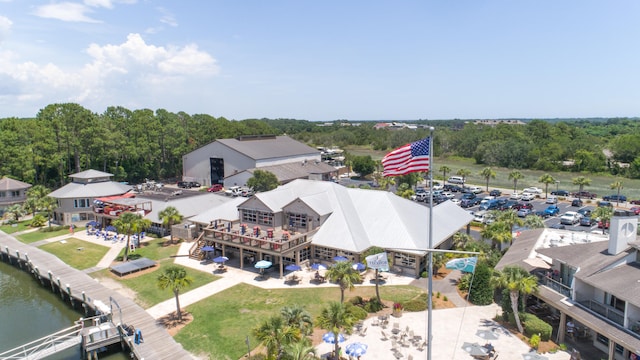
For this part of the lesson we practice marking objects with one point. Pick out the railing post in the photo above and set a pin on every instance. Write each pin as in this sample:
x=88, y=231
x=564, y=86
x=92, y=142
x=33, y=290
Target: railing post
x=60, y=288
x=6, y=248
x=51, y=280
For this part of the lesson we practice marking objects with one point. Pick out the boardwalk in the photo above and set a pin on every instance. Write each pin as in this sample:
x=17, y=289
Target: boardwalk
x=158, y=344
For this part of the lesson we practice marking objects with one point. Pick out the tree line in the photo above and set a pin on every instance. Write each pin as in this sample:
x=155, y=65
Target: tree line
x=136, y=144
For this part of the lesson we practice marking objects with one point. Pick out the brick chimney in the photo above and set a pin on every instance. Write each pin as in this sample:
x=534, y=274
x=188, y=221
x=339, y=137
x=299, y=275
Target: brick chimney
x=622, y=230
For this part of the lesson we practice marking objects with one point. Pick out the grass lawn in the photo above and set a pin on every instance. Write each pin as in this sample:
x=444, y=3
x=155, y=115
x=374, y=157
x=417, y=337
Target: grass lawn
x=89, y=255
x=20, y=226
x=157, y=249
x=35, y=236
x=222, y=321
x=145, y=283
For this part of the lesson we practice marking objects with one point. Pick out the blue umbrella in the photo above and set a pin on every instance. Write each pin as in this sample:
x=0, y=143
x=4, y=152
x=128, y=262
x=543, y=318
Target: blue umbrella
x=220, y=259
x=359, y=266
x=293, y=267
x=263, y=264
x=207, y=248
x=340, y=258
x=331, y=339
x=92, y=223
x=317, y=266
x=110, y=228
x=356, y=349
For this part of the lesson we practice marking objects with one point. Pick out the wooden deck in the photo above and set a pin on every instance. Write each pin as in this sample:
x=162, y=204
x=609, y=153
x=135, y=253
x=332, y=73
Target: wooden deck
x=158, y=344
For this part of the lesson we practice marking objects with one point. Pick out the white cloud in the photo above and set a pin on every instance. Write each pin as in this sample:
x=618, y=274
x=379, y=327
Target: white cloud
x=99, y=3
x=66, y=11
x=114, y=75
x=5, y=27
x=167, y=17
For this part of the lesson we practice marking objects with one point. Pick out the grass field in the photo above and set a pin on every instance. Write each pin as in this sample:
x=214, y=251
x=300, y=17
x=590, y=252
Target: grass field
x=600, y=183
x=42, y=234
x=20, y=226
x=77, y=253
x=158, y=249
x=222, y=321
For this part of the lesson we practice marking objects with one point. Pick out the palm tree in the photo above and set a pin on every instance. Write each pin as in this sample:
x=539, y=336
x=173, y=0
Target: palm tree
x=274, y=333
x=298, y=317
x=300, y=350
x=387, y=181
x=169, y=216
x=488, y=173
x=15, y=211
x=48, y=204
x=444, y=169
x=464, y=173
x=336, y=318
x=460, y=240
x=533, y=222
x=603, y=214
x=518, y=281
x=343, y=273
x=546, y=179
x=372, y=251
x=618, y=186
x=498, y=232
x=581, y=181
x=515, y=176
x=130, y=223
x=176, y=279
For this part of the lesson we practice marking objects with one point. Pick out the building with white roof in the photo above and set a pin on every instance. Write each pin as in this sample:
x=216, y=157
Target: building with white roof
x=314, y=221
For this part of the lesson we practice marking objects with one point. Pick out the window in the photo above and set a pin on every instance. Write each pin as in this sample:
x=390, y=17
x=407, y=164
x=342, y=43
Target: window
x=297, y=220
x=257, y=217
x=404, y=260
x=305, y=254
x=614, y=302
x=15, y=193
x=81, y=203
x=323, y=253
x=3, y=194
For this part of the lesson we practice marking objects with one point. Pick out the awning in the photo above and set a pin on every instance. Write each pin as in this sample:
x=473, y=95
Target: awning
x=116, y=197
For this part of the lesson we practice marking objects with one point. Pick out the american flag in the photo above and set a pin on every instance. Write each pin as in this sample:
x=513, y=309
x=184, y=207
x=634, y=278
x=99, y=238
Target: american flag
x=407, y=159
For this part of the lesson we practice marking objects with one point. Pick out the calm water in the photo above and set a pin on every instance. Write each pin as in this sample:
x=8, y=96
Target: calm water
x=29, y=311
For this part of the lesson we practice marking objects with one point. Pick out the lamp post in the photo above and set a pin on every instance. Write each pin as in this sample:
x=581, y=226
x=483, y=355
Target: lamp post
x=557, y=184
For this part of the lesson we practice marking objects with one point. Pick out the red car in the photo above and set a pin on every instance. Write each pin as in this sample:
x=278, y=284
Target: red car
x=635, y=209
x=603, y=225
x=215, y=188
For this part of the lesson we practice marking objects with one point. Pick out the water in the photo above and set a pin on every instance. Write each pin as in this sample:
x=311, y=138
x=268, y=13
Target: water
x=29, y=311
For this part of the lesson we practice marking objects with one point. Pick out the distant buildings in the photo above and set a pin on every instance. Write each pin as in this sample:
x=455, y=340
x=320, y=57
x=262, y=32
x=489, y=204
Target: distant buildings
x=12, y=192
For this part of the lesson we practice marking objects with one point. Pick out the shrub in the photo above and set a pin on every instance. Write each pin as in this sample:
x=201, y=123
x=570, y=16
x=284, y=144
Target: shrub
x=398, y=306
x=563, y=347
x=373, y=305
x=464, y=282
x=415, y=305
x=534, y=341
x=38, y=221
x=424, y=274
x=481, y=292
x=438, y=294
x=535, y=326
x=358, y=312
x=356, y=300
x=445, y=298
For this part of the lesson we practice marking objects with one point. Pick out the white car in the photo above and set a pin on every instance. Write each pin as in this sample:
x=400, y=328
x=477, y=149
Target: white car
x=570, y=218
x=515, y=196
x=456, y=201
x=528, y=196
x=533, y=190
x=475, y=189
x=486, y=199
x=552, y=200
x=448, y=195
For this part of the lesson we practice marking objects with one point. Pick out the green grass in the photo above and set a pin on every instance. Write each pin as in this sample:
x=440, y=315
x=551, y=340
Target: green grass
x=20, y=226
x=43, y=234
x=89, y=255
x=222, y=321
x=158, y=249
x=146, y=288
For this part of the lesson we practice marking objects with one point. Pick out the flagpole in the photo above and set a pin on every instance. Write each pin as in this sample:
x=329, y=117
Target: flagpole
x=430, y=262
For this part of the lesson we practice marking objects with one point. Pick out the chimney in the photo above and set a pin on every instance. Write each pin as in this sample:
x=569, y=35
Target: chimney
x=622, y=230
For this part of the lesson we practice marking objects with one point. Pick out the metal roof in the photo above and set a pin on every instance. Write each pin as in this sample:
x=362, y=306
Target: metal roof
x=296, y=170
x=90, y=174
x=8, y=184
x=268, y=147
x=90, y=190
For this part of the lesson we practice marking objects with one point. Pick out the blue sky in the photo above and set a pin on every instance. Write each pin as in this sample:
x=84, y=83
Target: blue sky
x=324, y=60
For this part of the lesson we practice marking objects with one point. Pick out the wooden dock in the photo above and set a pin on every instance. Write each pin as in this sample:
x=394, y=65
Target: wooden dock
x=80, y=290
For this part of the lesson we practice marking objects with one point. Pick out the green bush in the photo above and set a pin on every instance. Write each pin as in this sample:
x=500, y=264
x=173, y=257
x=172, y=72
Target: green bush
x=445, y=298
x=563, y=347
x=356, y=300
x=38, y=221
x=481, y=292
x=415, y=305
x=534, y=341
x=536, y=326
x=424, y=274
x=52, y=228
x=464, y=282
x=373, y=305
x=438, y=294
x=358, y=312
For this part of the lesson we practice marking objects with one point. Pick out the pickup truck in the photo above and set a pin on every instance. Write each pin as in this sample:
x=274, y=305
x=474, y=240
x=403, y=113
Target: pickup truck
x=584, y=194
x=233, y=191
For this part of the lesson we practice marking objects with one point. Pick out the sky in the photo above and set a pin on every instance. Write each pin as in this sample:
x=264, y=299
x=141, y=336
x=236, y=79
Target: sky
x=324, y=60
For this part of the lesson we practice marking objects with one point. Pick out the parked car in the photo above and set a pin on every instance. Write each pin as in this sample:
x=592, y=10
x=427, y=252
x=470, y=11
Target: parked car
x=585, y=212
x=587, y=221
x=456, y=201
x=489, y=205
x=515, y=196
x=188, y=184
x=448, y=195
x=552, y=199
x=465, y=203
x=543, y=214
x=634, y=202
x=528, y=196
x=604, y=204
x=420, y=195
x=552, y=210
x=615, y=198
x=576, y=202
x=495, y=192
x=635, y=209
x=215, y=188
x=570, y=218
x=560, y=193
x=475, y=189
x=233, y=191
x=533, y=190
x=468, y=196
x=246, y=192
x=452, y=188
x=585, y=194
x=522, y=205
x=509, y=204
x=557, y=226
x=524, y=212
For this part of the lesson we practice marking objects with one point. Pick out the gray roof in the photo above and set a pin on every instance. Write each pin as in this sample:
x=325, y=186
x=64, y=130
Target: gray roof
x=523, y=248
x=295, y=170
x=188, y=207
x=90, y=174
x=8, y=184
x=268, y=147
x=90, y=190
x=358, y=218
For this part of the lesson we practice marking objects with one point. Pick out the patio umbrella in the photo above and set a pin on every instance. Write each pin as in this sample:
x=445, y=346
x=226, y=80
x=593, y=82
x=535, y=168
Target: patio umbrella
x=110, y=228
x=340, y=258
x=207, y=248
x=356, y=349
x=534, y=356
x=263, y=264
x=292, y=267
x=317, y=266
x=487, y=334
x=331, y=339
x=92, y=223
x=220, y=259
x=474, y=349
x=359, y=266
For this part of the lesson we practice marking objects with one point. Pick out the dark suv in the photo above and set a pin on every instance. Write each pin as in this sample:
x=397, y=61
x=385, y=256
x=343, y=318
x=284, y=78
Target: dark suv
x=188, y=184
x=560, y=193
x=615, y=198
x=585, y=194
x=520, y=206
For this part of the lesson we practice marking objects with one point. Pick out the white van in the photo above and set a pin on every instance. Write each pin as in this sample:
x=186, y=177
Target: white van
x=456, y=179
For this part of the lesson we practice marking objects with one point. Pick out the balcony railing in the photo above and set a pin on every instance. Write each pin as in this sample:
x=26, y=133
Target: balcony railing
x=606, y=311
x=556, y=286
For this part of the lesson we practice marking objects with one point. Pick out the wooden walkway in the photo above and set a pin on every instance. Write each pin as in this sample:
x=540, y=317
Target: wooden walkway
x=158, y=344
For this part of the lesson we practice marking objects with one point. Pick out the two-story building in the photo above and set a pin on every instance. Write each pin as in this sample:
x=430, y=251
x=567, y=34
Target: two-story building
x=12, y=192
x=593, y=285
x=307, y=221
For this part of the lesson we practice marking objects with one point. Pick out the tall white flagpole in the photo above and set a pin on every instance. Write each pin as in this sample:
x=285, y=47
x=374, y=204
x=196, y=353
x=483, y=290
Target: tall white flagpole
x=430, y=261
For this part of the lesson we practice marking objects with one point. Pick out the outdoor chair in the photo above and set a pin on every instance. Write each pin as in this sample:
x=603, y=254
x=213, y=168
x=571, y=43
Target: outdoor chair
x=422, y=346
x=410, y=357
x=396, y=328
x=363, y=332
x=384, y=336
